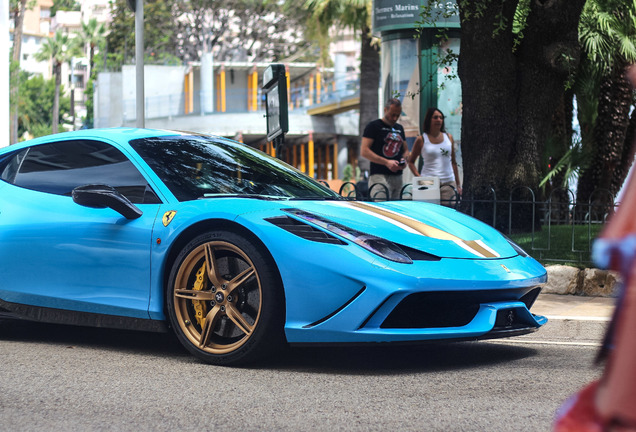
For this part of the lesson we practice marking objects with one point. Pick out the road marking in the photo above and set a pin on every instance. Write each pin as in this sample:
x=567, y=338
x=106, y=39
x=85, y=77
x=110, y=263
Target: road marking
x=549, y=342
x=577, y=318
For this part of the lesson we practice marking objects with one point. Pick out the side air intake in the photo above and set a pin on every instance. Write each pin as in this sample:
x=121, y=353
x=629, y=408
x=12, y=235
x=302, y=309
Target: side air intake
x=303, y=230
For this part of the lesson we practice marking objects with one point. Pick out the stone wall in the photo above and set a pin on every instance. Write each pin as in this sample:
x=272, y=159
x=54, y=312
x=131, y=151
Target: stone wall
x=587, y=282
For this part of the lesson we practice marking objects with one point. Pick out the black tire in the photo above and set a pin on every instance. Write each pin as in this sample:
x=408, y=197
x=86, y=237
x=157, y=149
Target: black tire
x=224, y=299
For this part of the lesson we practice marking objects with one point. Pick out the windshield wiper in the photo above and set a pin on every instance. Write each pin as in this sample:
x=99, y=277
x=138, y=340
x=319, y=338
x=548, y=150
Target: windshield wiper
x=317, y=198
x=251, y=196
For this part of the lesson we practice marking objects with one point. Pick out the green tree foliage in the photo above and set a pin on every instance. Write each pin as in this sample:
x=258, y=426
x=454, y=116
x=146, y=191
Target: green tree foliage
x=238, y=30
x=58, y=49
x=91, y=36
x=608, y=37
x=234, y=30
x=354, y=14
x=160, y=37
x=65, y=5
x=36, y=105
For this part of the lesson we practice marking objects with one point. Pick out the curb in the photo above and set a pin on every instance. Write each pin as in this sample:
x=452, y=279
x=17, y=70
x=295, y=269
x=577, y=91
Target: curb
x=587, y=282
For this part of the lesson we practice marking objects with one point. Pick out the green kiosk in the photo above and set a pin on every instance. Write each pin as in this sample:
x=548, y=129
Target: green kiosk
x=410, y=60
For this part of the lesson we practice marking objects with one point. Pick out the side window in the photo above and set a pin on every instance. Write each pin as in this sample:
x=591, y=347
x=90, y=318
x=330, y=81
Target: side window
x=60, y=167
x=10, y=164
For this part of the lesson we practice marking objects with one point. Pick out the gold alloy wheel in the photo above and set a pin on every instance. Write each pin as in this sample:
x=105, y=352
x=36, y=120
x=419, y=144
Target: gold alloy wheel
x=217, y=297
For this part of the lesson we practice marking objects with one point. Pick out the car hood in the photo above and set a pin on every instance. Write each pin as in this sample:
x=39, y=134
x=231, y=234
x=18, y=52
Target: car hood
x=430, y=228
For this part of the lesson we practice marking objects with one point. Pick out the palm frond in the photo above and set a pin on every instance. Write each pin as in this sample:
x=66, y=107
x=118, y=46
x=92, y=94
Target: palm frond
x=573, y=162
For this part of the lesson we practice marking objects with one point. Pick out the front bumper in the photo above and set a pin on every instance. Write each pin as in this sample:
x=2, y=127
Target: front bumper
x=491, y=320
x=480, y=302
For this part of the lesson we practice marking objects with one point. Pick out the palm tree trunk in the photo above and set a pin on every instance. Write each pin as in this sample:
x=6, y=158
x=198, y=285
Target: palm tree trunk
x=91, y=60
x=627, y=159
x=15, y=72
x=610, y=137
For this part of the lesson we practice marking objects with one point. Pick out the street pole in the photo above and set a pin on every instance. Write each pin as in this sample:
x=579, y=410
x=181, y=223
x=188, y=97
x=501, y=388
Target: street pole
x=73, y=90
x=139, y=66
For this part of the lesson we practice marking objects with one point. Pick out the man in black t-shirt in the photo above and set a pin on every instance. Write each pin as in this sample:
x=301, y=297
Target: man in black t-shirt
x=384, y=144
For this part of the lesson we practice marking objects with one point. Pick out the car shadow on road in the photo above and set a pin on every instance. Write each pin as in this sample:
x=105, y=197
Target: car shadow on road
x=364, y=359
x=391, y=359
x=91, y=337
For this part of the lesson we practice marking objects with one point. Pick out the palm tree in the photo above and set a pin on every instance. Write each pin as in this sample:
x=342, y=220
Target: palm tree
x=59, y=49
x=608, y=37
x=354, y=14
x=91, y=35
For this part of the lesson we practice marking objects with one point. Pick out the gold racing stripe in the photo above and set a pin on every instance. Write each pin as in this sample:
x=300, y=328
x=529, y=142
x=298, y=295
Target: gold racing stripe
x=475, y=247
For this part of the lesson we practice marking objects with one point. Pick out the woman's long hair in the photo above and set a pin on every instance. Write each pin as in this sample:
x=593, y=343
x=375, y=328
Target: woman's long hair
x=429, y=117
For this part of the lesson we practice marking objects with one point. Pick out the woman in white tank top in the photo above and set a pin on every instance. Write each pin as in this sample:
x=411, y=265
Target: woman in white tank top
x=436, y=147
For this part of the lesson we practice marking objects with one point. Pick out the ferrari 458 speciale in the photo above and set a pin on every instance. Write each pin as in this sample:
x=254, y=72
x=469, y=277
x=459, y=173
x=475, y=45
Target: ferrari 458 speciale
x=239, y=253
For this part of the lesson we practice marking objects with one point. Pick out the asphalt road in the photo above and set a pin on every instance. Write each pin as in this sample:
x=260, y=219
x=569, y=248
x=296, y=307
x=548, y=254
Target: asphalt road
x=69, y=378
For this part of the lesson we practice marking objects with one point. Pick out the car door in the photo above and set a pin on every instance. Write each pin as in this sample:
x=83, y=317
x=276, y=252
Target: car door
x=58, y=254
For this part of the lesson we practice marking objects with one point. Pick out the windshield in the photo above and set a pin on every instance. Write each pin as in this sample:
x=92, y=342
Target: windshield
x=194, y=167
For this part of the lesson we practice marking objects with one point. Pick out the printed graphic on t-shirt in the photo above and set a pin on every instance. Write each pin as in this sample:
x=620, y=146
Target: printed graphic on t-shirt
x=393, y=143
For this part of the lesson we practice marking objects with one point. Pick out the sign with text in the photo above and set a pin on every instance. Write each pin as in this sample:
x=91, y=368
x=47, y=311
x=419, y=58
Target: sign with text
x=406, y=14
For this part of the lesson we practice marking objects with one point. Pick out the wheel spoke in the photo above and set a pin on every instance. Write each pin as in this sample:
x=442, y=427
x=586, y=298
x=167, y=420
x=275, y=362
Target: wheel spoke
x=194, y=294
x=211, y=265
x=240, y=279
x=208, y=327
x=238, y=319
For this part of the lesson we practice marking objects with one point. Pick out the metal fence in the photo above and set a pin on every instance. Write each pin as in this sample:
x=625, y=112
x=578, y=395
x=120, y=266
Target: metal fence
x=553, y=229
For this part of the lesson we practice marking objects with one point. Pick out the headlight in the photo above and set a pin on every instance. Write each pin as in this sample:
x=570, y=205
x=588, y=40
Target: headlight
x=376, y=245
x=516, y=247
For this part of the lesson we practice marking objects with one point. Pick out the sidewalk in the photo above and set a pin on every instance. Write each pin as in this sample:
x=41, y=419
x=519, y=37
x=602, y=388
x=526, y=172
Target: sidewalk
x=572, y=320
x=573, y=307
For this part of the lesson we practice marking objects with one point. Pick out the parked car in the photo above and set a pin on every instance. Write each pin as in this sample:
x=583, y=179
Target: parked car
x=239, y=253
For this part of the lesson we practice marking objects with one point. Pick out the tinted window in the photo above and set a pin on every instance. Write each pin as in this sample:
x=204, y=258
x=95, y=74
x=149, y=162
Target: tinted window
x=194, y=167
x=9, y=165
x=60, y=167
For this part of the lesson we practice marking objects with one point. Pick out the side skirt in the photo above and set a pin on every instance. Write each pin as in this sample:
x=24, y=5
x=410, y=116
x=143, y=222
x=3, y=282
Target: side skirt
x=60, y=316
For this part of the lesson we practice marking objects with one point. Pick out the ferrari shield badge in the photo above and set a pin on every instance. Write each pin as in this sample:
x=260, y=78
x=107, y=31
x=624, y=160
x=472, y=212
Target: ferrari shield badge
x=168, y=216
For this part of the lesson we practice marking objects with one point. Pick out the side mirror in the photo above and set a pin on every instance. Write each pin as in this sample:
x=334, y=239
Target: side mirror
x=104, y=196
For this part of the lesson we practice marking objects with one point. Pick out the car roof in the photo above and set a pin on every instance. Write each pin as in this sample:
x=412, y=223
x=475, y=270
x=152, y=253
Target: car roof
x=119, y=134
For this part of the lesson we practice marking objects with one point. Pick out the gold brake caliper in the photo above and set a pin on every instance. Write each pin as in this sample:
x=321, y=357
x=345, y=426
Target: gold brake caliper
x=200, y=306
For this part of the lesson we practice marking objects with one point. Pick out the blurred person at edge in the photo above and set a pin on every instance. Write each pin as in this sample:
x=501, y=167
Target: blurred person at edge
x=609, y=404
x=384, y=145
x=437, y=149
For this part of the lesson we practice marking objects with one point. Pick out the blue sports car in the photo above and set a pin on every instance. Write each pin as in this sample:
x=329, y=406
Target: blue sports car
x=239, y=253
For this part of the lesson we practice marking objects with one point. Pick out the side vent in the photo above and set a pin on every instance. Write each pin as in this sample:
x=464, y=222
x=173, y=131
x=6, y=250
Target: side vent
x=303, y=230
x=418, y=255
